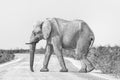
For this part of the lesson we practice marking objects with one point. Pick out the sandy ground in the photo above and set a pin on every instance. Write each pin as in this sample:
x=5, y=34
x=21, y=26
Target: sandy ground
x=18, y=69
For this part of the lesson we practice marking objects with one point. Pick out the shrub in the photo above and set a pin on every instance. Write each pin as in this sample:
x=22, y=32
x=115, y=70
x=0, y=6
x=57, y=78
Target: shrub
x=4, y=57
x=7, y=55
x=107, y=59
x=40, y=51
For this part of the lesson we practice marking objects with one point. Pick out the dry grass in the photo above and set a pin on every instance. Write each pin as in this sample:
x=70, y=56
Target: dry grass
x=7, y=55
x=106, y=59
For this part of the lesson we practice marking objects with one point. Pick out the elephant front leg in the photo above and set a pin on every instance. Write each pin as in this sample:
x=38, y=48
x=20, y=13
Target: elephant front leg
x=48, y=53
x=58, y=51
x=61, y=60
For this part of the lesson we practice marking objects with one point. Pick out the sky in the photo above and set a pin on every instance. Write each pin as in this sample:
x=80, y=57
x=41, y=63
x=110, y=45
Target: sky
x=18, y=16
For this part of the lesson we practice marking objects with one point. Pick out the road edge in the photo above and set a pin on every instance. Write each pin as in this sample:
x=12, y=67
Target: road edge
x=10, y=62
x=77, y=65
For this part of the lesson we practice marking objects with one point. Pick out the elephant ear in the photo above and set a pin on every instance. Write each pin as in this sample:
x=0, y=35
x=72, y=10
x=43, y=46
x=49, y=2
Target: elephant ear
x=46, y=29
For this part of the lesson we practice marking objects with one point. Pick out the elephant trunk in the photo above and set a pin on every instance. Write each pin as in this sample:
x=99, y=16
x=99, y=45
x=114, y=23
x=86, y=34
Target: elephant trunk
x=32, y=51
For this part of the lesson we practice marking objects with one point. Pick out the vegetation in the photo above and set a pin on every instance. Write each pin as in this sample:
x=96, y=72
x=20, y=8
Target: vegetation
x=7, y=55
x=40, y=51
x=15, y=51
x=104, y=58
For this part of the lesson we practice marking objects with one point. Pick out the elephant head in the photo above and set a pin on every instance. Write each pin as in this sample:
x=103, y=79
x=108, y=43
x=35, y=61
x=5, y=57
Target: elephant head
x=41, y=31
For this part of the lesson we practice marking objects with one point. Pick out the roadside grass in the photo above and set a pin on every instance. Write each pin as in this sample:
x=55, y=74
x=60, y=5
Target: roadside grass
x=106, y=59
x=7, y=55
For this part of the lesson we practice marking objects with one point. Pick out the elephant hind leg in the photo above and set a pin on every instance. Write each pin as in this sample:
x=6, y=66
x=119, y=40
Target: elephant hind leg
x=89, y=65
x=86, y=66
x=81, y=54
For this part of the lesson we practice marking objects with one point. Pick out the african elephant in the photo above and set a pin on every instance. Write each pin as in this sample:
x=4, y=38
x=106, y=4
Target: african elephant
x=63, y=34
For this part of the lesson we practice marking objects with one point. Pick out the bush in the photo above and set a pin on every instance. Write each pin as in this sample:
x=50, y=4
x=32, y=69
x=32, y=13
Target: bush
x=106, y=59
x=15, y=51
x=40, y=51
x=7, y=55
x=4, y=57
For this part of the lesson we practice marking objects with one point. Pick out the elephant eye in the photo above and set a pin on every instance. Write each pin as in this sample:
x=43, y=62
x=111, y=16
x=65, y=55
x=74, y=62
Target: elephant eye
x=33, y=33
x=40, y=32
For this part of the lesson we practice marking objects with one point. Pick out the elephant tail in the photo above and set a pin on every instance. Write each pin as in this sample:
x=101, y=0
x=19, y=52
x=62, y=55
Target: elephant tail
x=92, y=41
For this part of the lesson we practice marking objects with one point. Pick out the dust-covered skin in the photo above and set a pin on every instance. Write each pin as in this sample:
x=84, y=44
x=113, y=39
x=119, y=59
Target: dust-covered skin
x=61, y=34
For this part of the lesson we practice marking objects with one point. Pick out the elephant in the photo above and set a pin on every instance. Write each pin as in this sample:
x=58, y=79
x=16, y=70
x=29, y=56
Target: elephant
x=63, y=34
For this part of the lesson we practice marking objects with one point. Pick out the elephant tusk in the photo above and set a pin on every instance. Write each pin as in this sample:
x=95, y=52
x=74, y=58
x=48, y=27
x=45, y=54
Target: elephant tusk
x=28, y=43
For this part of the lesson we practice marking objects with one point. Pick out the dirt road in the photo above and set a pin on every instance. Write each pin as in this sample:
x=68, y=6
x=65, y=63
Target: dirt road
x=18, y=69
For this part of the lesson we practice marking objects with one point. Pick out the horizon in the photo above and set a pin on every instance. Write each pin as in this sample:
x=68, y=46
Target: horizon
x=18, y=17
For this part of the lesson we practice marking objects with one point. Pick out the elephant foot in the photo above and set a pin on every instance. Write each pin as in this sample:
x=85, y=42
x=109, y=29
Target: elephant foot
x=90, y=68
x=83, y=70
x=87, y=69
x=44, y=70
x=64, y=70
x=86, y=66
